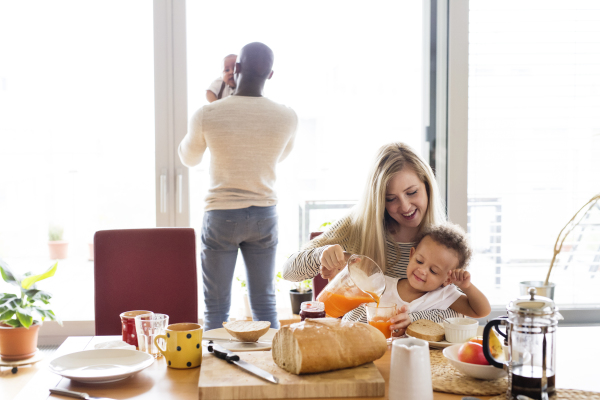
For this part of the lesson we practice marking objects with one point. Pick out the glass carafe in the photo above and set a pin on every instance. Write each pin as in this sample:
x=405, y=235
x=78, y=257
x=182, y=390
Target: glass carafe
x=531, y=338
x=360, y=282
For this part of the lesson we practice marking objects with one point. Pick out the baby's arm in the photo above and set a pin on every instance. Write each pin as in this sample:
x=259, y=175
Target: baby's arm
x=473, y=303
x=210, y=96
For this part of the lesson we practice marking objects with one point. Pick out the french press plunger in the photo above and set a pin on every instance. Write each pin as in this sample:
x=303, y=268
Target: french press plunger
x=531, y=337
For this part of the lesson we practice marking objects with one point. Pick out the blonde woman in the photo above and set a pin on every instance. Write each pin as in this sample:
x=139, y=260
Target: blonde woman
x=401, y=198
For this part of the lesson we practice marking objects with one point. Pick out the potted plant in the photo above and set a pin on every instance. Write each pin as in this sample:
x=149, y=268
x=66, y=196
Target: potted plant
x=57, y=246
x=21, y=315
x=301, y=292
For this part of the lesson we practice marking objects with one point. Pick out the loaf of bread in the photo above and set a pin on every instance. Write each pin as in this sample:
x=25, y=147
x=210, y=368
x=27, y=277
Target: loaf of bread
x=326, y=344
x=247, y=331
x=426, y=330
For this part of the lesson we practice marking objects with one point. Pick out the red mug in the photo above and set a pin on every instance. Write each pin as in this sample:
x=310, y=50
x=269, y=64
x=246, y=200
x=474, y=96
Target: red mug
x=128, y=326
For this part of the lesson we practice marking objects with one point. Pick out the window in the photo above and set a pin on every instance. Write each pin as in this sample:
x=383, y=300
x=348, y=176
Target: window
x=352, y=73
x=76, y=135
x=533, y=145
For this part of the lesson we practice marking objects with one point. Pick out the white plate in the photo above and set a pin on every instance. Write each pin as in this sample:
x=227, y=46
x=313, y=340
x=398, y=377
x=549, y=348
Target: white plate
x=101, y=365
x=443, y=343
x=230, y=343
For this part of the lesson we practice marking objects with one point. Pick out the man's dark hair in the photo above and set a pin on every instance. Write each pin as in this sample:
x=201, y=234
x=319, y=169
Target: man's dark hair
x=256, y=59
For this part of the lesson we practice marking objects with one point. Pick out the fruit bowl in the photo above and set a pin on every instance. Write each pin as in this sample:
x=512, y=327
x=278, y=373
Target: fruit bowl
x=484, y=372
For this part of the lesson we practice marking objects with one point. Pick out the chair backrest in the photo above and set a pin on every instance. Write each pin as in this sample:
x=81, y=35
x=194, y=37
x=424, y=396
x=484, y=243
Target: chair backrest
x=318, y=282
x=144, y=269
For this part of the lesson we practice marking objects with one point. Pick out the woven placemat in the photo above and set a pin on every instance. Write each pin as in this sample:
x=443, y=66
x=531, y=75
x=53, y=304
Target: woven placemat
x=566, y=394
x=446, y=378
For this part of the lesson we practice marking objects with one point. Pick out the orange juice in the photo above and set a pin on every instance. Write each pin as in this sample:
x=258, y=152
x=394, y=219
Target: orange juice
x=337, y=305
x=383, y=325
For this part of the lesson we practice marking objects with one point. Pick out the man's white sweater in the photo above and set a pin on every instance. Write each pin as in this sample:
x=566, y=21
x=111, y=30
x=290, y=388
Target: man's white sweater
x=247, y=137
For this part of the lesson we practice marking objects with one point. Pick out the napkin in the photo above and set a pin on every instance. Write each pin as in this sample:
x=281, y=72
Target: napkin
x=114, y=344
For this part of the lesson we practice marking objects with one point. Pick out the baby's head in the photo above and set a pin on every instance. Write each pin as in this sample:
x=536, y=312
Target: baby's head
x=228, y=67
x=438, y=250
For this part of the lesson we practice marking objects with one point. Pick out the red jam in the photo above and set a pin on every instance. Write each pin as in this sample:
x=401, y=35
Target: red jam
x=312, y=309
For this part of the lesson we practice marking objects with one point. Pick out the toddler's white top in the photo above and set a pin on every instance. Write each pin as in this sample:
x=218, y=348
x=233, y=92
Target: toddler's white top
x=438, y=299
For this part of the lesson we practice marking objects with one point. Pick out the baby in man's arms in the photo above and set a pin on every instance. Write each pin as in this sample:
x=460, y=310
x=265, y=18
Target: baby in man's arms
x=436, y=268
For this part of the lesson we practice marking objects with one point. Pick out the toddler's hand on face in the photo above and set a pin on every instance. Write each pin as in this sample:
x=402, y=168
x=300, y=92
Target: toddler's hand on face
x=400, y=322
x=461, y=278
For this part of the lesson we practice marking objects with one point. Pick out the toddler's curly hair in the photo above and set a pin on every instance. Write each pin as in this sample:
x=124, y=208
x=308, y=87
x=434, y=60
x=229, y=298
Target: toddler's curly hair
x=451, y=236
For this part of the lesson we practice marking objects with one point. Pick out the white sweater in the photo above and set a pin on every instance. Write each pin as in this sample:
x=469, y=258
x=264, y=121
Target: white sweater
x=247, y=137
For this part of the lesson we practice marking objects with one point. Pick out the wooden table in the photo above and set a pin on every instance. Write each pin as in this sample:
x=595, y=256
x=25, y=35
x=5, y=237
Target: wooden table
x=577, y=354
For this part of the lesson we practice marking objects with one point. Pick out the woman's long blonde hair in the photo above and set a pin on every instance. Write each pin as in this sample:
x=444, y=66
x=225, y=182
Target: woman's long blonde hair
x=370, y=223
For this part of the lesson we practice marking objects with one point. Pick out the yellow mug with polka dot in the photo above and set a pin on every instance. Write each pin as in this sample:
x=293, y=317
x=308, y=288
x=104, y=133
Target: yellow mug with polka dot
x=184, y=345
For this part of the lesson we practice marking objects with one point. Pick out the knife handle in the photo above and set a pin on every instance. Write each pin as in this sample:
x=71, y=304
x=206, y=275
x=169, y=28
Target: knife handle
x=70, y=393
x=222, y=355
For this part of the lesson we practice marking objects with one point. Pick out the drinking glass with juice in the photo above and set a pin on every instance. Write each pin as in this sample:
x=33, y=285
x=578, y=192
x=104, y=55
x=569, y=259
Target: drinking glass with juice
x=378, y=316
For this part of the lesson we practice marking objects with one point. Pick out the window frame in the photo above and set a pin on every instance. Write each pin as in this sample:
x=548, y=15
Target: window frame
x=456, y=131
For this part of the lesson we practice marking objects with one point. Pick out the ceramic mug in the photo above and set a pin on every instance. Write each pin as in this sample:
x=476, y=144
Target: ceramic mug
x=184, y=345
x=128, y=326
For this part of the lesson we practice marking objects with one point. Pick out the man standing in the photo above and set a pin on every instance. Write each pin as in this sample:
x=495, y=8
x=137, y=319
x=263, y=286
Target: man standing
x=247, y=135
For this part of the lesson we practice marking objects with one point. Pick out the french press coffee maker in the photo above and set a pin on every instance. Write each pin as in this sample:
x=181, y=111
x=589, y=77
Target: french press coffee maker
x=531, y=338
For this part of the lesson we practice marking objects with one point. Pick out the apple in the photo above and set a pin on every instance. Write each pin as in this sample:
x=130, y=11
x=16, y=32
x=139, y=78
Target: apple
x=472, y=353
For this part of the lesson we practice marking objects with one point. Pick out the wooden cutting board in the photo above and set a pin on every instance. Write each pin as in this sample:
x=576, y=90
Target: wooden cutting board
x=221, y=380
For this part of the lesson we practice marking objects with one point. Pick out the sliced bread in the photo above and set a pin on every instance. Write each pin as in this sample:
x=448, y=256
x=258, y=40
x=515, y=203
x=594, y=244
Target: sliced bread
x=426, y=330
x=247, y=331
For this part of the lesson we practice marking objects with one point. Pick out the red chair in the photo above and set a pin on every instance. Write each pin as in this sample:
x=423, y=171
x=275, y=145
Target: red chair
x=144, y=269
x=318, y=282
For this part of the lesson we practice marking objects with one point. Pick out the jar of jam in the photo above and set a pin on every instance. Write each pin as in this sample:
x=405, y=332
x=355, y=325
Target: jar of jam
x=312, y=309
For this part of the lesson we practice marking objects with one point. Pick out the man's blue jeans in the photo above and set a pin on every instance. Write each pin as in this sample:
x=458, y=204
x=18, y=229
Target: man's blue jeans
x=254, y=231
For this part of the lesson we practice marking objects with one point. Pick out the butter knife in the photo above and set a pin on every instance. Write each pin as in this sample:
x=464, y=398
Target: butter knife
x=77, y=395
x=233, y=358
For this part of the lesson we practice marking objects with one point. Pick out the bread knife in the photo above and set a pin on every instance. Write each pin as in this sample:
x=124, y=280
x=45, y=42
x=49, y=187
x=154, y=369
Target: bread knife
x=233, y=358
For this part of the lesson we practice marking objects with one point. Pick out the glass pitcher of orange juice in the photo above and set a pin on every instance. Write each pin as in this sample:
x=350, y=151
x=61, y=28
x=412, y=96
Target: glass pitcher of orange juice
x=360, y=282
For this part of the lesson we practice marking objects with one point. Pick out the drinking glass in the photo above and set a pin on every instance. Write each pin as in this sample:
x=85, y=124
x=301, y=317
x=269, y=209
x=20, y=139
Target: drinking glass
x=128, y=326
x=379, y=316
x=149, y=326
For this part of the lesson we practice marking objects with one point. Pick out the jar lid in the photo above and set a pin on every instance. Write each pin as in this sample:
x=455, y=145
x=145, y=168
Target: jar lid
x=312, y=305
x=532, y=304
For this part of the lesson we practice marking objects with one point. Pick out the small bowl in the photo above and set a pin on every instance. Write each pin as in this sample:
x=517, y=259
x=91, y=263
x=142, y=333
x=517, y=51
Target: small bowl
x=484, y=372
x=459, y=330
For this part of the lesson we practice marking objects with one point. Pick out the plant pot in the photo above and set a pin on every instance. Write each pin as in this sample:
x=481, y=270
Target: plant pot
x=540, y=289
x=18, y=343
x=298, y=298
x=58, y=249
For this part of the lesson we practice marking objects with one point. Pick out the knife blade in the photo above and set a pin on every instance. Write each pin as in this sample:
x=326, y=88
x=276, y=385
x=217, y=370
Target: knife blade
x=233, y=358
x=234, y=340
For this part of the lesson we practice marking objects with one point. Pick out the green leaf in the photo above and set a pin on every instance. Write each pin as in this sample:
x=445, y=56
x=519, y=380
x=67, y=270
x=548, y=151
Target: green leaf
x=46, y=314
x=6, y=315
x=24, y=317
x=30, y=280
x=6, y=297
x=15, y=323
x=35, y=295
x=7, y=274
x=13, y=304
